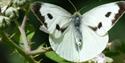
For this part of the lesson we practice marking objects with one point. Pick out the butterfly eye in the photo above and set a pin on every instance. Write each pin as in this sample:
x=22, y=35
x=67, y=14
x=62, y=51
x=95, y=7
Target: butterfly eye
x=108, y=14
x=49, y=16
x=99, y=25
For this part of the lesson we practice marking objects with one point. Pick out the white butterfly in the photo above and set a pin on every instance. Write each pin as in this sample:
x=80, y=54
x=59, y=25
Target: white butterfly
x=78, y=37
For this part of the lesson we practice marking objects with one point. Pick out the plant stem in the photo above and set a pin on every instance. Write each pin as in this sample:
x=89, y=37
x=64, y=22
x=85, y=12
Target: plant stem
x=39, y=51
x=23, y=35
x=24, y=40
x=6, y=39
x=24, y=22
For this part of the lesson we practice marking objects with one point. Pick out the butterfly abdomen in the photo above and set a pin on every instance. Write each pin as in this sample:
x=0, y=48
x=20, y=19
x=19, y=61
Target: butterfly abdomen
x=78, y=35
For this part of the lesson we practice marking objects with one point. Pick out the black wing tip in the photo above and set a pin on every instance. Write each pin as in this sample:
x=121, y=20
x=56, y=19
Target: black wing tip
x=121, y=4
x=36, y=6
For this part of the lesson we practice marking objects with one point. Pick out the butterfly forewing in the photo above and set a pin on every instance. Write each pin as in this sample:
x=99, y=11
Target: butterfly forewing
x=52, y=17
x=56, y=22
x=96, y=24
x=102, y=18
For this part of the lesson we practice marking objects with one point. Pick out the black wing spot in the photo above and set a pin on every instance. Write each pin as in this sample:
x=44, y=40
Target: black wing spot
x=50, y=16
x=93, y=28
x=99, y=25
x=58, y=27
x=0, y=10
x=45, y=24
x=63, y=29
x=108, y=14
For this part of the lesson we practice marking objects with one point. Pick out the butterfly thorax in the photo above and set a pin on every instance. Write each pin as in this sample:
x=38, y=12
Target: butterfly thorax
x=76, y=20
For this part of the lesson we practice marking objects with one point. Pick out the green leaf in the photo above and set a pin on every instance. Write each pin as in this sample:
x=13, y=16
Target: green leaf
x=17, y=58
x=52, y=55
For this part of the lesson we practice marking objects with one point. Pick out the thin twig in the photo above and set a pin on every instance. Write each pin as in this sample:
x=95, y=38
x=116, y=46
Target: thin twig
x=42, y=50
x=24, y=22
x=24, y=41
x=23, y=35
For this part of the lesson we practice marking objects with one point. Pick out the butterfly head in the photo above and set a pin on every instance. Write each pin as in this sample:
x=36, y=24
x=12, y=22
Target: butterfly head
x=77, y=14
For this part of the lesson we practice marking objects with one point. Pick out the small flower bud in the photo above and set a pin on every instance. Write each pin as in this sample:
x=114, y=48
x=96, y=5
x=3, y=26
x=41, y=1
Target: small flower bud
x=19, y=2
x=11, y=12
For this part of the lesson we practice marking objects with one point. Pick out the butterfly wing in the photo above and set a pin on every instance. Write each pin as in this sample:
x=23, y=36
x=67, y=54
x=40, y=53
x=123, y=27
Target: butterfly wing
x=56, y=22
x=103, y=18
x=96, y=24
x=51, y=16
x=65, y=45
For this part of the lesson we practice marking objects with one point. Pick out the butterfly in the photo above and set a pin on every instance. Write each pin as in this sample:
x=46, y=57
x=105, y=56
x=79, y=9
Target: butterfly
x=78, y=37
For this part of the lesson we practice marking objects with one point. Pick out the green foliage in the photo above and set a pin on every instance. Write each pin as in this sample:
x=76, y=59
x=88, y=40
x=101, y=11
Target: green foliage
x=15, y=57
x=55, y=57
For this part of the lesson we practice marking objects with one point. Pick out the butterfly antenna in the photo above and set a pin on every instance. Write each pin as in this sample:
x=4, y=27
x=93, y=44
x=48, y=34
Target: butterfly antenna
x=82, y=9
x=73, y=5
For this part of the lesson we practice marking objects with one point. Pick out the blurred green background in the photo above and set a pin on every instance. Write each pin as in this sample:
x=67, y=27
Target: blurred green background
x=117, y=35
